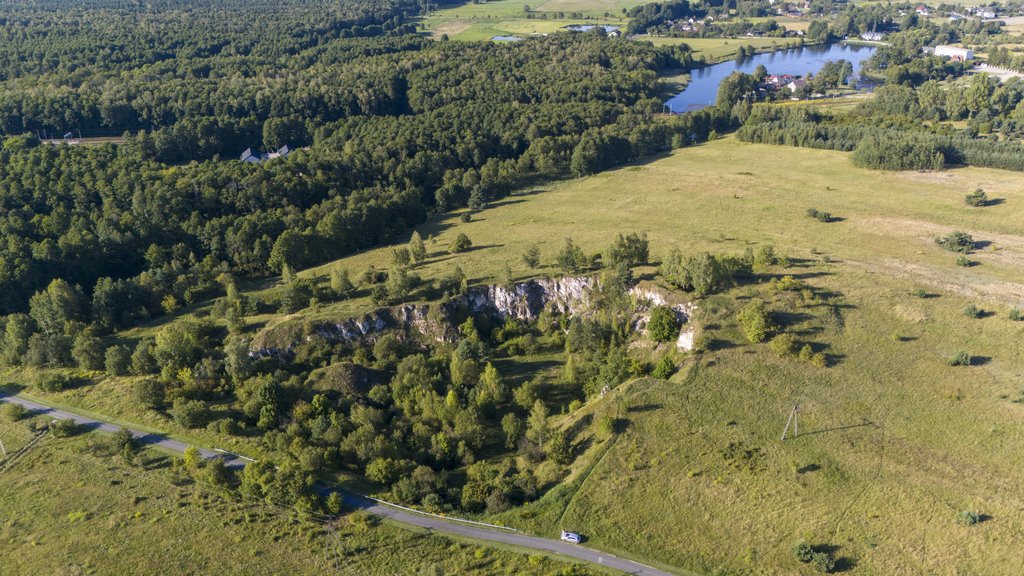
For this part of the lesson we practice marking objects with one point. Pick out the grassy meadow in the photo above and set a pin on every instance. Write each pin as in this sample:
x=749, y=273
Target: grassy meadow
x=69, y=508
x=718, y=49
x=895, y=443
x=507, y=18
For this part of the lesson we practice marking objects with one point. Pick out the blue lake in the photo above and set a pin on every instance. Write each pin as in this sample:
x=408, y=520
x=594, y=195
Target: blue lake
x=703, y=87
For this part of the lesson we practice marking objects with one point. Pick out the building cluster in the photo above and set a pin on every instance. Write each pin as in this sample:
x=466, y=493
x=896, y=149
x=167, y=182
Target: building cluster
x=775, y=82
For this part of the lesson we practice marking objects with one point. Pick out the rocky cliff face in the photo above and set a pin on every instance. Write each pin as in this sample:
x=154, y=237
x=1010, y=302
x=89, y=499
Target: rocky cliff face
x=647, y=298
x=521, y=301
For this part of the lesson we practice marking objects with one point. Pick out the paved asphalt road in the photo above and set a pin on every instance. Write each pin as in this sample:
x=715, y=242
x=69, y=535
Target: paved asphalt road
x=430, y=522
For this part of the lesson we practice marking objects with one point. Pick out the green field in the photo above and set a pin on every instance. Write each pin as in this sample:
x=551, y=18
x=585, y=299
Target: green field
x=896, y=443
x=716, y=49
x=507, y=17
x=101, y=516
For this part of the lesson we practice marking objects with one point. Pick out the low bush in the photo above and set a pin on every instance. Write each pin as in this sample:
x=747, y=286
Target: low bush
x=14, y=412
x=783, y=344
x=804, y=552
x=960, y=359
x=664, y=368
x=968, y=518
x=755, y=321
x=149, y=393
x=823, y=562
x=1016, y=315
x=48, y=382
x=819, y=215
x=977, y=198
x=957, y=241
x=972, y=311
x=64, y=428
x=190, y=413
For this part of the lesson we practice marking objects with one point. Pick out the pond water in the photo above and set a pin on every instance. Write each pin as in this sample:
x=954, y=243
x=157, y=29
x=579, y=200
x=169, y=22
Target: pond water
x=703, y=87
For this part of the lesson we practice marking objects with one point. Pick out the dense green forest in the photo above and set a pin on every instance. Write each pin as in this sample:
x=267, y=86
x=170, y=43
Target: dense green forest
x=399, y=126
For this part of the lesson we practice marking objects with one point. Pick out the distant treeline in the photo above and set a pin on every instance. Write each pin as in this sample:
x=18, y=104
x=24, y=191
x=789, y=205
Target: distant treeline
x=877, y=145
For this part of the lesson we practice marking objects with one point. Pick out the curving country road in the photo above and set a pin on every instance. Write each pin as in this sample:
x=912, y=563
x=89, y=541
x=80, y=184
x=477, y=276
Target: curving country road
x=430, y=522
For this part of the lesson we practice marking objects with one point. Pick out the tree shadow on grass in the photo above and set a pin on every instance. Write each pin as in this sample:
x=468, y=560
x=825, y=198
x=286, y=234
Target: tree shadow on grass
x=648, y=407
x=715, y=344
x=980, y=360
x=787, y=319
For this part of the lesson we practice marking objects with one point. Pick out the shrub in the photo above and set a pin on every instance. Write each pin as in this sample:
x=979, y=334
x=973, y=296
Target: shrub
x=466, y=217
x=531, y=257
x=190, y=413
x=964, y=261
x=820, y=360
x=663, y=326
x=819, y=215
x=804, y=552
x=921, y=293
x=968, y=518
x=149, y=393
x=823, y=562
x=64, y=428
x=88, y=352
x=14, y=412
x=754, y=319
x=631, y=249
x=117, y=360
x=783, y=344
x=806, y=353
x=664, y=368
x=123, y=441
x=461, y=243
x=960, y=359
x=977, y=198
x=48, y=382
x=1016, y=315
x=972, y=311
x=957, y=241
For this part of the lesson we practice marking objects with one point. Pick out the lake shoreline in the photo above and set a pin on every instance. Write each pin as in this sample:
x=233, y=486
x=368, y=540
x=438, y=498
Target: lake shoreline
x=702, y=88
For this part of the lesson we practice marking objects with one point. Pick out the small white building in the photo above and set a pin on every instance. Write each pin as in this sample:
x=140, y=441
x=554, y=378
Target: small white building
x=796, y=85
x=253, y=157
x=955, y=53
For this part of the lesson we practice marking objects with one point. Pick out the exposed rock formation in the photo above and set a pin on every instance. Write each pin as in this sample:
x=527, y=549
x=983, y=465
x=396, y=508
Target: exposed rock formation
x=522, y=301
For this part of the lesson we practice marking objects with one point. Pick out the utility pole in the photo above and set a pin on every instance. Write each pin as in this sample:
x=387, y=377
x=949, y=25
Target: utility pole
x=794, y=419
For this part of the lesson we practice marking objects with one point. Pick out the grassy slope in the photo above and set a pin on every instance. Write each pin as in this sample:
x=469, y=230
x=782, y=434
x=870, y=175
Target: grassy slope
x=941, y=440
x=147, y=522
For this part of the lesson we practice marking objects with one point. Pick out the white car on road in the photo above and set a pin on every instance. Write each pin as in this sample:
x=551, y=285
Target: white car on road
x=571, y=537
